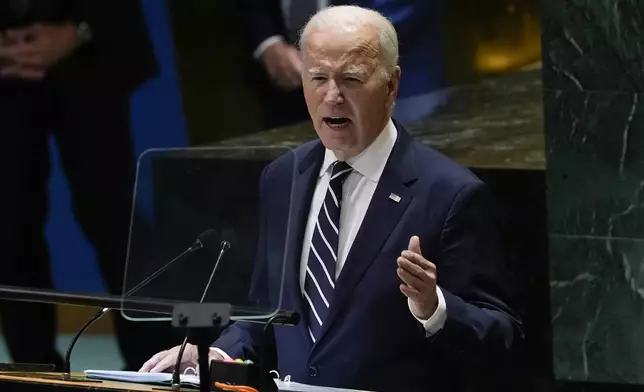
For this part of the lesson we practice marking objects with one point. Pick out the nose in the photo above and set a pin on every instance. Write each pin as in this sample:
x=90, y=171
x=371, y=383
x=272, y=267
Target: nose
x=333, y=96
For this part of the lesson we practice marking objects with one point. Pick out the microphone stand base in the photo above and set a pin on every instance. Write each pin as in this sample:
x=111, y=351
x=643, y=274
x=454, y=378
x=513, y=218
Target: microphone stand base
x=204, y=320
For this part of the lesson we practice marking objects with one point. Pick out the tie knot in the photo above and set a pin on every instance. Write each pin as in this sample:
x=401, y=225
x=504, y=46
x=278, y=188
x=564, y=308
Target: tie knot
x=340, y=171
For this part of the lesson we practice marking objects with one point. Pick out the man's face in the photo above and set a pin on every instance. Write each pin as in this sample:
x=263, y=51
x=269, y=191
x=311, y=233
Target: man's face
x=347, y=94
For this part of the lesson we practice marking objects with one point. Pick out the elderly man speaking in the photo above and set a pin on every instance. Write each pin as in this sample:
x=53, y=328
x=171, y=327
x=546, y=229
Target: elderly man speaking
x=399, y=283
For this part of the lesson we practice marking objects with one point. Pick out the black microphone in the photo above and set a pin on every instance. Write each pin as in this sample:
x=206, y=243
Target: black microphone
x=204, y=378
x=206, y=239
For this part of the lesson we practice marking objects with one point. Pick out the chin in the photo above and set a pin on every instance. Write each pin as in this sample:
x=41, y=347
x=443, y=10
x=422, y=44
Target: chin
x=338, y=138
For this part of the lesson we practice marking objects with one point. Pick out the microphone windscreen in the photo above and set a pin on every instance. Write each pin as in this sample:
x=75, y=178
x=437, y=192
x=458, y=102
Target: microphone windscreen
x=209, y=238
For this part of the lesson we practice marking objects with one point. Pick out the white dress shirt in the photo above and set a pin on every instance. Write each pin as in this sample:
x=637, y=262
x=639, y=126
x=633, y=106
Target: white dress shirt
x=286, y=5
x=357, y=191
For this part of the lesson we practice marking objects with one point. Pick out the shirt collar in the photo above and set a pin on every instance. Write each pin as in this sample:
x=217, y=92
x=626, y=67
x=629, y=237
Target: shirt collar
x=370, y=162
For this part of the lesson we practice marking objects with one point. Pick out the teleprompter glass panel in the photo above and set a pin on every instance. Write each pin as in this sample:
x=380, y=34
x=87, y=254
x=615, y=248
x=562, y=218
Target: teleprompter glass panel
x=197, y=219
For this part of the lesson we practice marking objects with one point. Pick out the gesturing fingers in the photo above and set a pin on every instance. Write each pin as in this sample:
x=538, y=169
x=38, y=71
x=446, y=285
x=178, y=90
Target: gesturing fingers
x=419, y=260
x=411, y=293
x=417, y=273
x=419, y=280
x=410, y=273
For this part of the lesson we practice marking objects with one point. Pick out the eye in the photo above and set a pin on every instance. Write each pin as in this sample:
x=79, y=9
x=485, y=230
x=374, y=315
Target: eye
x=319, y=78
x=352, y=79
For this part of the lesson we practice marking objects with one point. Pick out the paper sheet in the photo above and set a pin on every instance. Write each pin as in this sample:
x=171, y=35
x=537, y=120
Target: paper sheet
x=292, y=386
x=140, y=377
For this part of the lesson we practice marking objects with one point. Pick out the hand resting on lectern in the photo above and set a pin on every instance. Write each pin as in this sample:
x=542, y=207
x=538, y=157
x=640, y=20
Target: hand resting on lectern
x=164, y=361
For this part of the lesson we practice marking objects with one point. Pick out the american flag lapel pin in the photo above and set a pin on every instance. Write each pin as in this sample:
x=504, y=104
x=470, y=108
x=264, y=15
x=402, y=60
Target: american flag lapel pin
x=394, y=197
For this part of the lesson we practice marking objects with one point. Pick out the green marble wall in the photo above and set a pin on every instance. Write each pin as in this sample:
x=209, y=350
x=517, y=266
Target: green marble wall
x=593, y=75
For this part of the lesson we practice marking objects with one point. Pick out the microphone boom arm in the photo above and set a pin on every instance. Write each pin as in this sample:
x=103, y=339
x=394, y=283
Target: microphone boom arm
x=176, y=376
x=68, y=354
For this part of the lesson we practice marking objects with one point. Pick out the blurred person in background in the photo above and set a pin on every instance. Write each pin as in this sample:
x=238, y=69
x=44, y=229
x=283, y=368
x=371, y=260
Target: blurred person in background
x=67, y=69
x=271, y=30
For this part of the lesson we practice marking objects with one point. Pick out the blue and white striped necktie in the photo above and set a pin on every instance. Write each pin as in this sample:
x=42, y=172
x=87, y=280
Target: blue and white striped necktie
x=319, y=282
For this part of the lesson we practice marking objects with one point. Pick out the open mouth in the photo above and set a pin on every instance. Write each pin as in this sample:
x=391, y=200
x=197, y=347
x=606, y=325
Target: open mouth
x=336, y=122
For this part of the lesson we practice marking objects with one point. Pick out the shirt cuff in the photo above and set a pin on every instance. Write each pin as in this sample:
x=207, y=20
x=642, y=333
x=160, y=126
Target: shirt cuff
x=436, y=322
x=220, y=352
x=265, y=44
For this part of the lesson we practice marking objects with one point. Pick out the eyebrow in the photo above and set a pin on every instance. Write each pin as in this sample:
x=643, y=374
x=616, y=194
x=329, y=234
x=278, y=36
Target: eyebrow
x=354, y=70
x=316, y=70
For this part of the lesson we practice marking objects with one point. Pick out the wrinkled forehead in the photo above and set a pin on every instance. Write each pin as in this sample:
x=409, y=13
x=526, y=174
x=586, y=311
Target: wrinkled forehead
x=342, y=48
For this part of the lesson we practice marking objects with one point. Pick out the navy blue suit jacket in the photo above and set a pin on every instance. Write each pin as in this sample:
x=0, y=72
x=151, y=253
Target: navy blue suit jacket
x=417, y=22
x=370, y=339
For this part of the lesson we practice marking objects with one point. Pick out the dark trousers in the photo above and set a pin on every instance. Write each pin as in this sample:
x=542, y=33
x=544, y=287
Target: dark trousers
x=90, y=125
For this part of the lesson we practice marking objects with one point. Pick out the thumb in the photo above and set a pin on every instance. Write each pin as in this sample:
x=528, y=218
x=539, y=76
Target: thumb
x=414, y=245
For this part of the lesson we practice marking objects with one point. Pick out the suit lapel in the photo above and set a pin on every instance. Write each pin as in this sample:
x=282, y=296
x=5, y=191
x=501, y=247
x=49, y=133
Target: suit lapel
x=304, y=184
x=381, y=217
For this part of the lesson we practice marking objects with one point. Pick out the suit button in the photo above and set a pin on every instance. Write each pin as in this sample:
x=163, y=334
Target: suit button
x=313, y=371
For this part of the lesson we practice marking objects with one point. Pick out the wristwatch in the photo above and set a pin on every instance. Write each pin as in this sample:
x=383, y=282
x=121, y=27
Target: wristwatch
x=84, y=33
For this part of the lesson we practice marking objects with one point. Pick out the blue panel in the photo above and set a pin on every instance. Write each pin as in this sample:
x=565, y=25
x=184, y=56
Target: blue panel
x=157, y=121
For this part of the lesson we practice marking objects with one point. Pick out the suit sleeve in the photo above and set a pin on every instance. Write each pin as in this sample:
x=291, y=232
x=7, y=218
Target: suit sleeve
x=480, y=326
x=261, y=19
x=120, y=42
x=242, y=339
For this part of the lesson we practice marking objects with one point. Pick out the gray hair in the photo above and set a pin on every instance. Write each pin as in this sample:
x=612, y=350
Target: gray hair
x=343, y=17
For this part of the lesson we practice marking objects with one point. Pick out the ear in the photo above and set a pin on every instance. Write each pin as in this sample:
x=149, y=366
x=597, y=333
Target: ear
x=392, y=85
